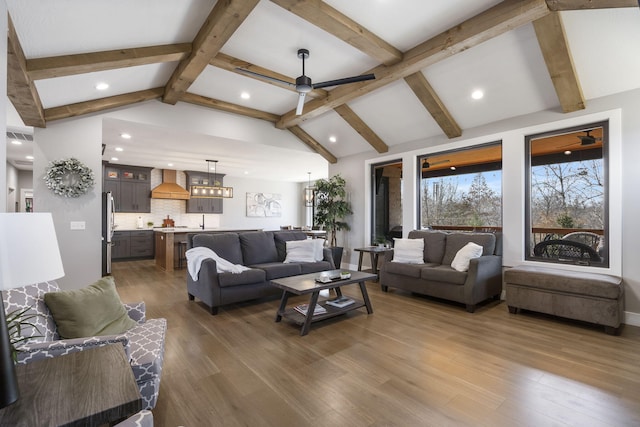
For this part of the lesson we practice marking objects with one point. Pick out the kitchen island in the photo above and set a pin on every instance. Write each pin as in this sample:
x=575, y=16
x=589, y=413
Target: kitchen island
x=167, y=239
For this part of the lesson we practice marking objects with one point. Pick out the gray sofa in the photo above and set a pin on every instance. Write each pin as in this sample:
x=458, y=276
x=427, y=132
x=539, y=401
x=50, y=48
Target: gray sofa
x=436, y=278
x=262, y=251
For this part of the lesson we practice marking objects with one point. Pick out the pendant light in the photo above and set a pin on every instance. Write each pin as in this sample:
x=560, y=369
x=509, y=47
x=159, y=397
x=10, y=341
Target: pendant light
x=308, y=193
x=214, y=189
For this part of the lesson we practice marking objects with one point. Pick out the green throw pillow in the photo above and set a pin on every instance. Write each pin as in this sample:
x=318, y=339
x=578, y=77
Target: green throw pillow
x=91, y=311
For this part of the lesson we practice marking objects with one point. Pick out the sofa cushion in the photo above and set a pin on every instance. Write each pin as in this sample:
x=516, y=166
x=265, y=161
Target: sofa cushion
x=91, y=311
x=456, y=241
x=444, y=273
x=433, y=244
x=409, y=251
x=314, y=267
x=463, y=256
x=282, y=237
x=276, y=270
x=225, y=245
x=410, y=270
x=247, y=277
x=258, y=247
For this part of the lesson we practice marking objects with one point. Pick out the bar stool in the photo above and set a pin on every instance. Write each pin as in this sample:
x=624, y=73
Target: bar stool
x=182, y=251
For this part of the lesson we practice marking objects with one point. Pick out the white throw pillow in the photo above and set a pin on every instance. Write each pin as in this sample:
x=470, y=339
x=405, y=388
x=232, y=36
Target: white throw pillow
x=300, y=251
x=409, y=251
x=319, y=252
x=463, y=257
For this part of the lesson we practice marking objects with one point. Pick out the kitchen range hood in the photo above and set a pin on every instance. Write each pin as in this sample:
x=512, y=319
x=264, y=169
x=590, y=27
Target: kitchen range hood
x=169, y=189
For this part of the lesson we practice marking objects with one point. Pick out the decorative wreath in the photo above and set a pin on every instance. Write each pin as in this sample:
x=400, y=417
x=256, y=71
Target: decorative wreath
x=69, y=178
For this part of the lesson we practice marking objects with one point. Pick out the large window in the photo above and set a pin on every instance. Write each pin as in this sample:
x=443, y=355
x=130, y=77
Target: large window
x=462, y=189
x=567, y=207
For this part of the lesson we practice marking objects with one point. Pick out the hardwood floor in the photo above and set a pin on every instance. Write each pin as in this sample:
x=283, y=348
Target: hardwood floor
x=414, y=362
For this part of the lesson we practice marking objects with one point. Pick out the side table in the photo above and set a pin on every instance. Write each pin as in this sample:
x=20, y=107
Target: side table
x=85, y=388
x=374, y=252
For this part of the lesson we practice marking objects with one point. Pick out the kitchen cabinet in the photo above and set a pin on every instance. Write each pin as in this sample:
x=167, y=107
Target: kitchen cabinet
x=131, y=187
x=196, y=205
x=132, y=244
x=120, y=245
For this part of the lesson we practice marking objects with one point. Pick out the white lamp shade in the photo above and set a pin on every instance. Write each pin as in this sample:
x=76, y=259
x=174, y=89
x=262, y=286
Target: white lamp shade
x=29, y=250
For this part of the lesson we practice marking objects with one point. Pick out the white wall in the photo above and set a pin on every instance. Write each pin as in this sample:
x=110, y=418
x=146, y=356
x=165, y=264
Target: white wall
x=3, y=106
x=81, y=250
x=623, y=110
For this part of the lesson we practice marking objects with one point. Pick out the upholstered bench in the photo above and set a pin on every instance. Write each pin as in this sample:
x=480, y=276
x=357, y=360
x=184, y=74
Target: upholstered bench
x=590, y=297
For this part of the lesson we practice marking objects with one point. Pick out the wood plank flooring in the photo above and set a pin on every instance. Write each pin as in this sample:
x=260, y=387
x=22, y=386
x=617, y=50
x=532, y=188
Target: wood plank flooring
x=415, y=361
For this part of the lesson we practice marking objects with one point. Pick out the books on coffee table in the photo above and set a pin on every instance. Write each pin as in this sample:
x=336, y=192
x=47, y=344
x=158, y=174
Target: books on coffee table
x=303, y=308
x=341, y=302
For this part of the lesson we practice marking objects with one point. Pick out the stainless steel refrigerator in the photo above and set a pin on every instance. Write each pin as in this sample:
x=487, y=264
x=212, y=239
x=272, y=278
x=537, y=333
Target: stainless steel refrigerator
x=108, y=222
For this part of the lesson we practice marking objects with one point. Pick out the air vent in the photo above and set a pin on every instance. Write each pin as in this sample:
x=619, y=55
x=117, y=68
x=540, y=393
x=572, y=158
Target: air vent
x=20, y=136
x=23, y=162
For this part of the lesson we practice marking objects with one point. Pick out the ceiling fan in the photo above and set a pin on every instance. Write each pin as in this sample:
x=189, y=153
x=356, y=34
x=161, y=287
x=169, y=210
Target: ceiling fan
x=304, y=84
x=586, y=140
x=426, y=164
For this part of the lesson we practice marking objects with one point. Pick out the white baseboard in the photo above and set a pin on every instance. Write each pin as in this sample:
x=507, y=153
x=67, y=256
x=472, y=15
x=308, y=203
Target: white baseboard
x=631, y=318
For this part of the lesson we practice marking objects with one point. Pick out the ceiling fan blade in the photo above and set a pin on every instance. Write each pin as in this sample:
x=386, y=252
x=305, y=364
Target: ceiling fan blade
x=301, y=96
x=346, y=80
x=262, y=76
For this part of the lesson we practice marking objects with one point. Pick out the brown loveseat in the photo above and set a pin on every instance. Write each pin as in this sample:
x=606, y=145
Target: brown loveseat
x=262, y=251
x=435, y=276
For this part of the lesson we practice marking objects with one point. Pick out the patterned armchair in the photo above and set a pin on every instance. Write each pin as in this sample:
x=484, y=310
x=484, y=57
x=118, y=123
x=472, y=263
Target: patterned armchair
x=143, y=344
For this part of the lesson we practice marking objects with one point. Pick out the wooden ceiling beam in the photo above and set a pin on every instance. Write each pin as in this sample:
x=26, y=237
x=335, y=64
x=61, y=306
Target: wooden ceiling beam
x=491, y=23
x=81, y=108
x=313, y=144
x=434, y=105
x=20, y=88
x=555, y=50
x=560, y=5
x=361, y=127
x=222, y=22
x=204, y=101
x=230, y=63
x=68, y=65
x=334, y=22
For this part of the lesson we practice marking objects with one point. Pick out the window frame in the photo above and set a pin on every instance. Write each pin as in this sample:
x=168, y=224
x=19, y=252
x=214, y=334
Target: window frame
x=606, y=160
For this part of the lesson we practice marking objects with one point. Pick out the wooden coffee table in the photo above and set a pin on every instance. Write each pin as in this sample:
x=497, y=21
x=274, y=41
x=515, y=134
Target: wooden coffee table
x=306, y=284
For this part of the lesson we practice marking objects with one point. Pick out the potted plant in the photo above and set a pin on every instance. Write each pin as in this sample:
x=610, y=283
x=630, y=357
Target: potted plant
x=331, y=209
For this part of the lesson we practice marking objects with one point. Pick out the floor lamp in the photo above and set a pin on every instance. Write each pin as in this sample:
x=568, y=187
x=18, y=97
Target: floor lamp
x=29, y=254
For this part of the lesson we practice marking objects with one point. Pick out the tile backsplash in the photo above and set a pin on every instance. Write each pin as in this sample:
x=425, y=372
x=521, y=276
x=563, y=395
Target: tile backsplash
x=160, y=208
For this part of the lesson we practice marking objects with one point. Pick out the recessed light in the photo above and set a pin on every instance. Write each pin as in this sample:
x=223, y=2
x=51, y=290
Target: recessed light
x=102, y=86
x=114, y=159
x=16, y=142
x=28, y=157
x=477, y=94
x=119, y=149
x=246, y=172
x=567, y=153
x=245, y=95
x=125, y=136
x=452, y=168
x=169, y=164
x=332, y=138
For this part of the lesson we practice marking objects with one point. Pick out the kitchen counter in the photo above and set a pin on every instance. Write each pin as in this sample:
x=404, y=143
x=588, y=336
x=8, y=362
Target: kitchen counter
x=167, y=239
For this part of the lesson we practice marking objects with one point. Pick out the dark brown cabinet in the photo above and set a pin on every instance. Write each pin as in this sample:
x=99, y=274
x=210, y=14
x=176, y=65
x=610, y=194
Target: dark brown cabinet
x=131, y=187
x=195, y=205
x=132, y=244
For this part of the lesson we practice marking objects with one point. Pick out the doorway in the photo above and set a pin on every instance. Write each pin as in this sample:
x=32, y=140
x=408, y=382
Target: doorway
x=386, y=200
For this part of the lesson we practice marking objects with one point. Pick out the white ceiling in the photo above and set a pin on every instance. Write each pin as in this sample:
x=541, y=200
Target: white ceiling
x=509, y=68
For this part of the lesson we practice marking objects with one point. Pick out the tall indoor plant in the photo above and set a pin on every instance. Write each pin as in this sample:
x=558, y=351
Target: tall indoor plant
x=332, y=207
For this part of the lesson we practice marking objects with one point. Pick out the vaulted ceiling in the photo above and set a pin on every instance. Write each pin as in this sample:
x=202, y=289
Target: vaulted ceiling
x=427, y=58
